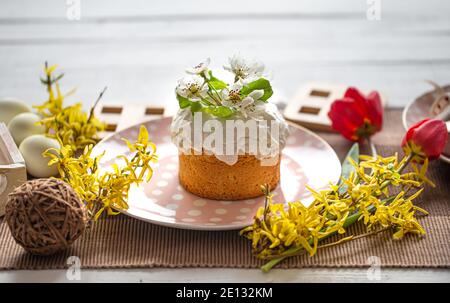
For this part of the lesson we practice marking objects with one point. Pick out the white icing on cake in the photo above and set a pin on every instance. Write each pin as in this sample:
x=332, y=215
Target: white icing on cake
x=187, y=132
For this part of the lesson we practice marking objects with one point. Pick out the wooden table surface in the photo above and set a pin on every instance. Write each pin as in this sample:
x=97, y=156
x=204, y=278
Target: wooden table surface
x=140, y=48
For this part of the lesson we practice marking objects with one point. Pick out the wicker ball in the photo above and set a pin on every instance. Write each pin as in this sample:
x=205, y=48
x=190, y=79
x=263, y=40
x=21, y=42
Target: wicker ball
x=45, y=216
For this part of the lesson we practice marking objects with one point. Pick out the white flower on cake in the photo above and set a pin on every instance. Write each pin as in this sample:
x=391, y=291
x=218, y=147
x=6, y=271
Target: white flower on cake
x=192, y=88
x=232, y=95
x=233, y=122
x=244, y=69
x=200, y=69
x=202, y=91
x=252, y=106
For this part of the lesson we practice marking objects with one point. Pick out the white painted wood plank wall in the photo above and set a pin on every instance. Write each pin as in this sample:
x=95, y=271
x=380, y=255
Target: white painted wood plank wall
x=139, y=49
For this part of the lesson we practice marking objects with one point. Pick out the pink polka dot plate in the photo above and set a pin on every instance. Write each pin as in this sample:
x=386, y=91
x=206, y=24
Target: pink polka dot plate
x=418, y=110
x=306, y=159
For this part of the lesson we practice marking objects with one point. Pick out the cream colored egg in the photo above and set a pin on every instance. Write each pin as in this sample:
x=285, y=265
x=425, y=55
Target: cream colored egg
x=32, y=149
x=24, y=125
x=9, y=108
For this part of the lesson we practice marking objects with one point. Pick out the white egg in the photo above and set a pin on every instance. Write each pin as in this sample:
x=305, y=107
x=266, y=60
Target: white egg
x=9, y=108
x=24, y=125
x=36, y=164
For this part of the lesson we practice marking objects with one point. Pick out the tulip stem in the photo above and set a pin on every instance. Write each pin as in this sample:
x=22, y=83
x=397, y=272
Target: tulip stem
x=373, y=150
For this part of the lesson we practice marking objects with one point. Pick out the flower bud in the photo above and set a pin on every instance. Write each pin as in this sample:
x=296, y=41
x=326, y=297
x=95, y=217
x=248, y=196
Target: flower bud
x=426, y=139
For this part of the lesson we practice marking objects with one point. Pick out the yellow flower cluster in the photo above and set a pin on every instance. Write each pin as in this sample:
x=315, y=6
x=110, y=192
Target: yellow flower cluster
x=280, y=231
x=108, y=190
x=77, y=133
x=70, y=124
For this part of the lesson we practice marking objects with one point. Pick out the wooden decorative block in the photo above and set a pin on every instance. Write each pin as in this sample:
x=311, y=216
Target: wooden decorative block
x=311, y=104
x=118, y=117
x=12, y=166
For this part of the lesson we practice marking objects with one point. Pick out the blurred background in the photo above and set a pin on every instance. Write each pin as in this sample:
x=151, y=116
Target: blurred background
x=140, y=48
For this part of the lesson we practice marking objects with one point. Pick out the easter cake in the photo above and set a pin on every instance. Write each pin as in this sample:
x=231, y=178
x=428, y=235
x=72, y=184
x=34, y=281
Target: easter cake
x=229, y=136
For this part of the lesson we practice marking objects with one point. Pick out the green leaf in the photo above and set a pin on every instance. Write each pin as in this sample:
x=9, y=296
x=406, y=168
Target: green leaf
x=196, y=106
x=347, y=167
x=216, y=83
x=218, y=111
x=260, y=84
x=183, y=102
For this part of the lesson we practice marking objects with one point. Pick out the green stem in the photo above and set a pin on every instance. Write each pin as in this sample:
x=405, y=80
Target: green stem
x=49, y=79
x=349, y=221
x=400, y=169
x=218, y=101
x=373, y=150
x=217, y=93
x=91, y=113
x=214, y=99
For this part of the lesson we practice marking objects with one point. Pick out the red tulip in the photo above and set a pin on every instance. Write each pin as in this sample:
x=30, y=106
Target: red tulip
x=426, y=138
x=357, y=116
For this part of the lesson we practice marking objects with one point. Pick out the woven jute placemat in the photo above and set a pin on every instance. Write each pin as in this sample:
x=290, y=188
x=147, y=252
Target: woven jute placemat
x=123, y=242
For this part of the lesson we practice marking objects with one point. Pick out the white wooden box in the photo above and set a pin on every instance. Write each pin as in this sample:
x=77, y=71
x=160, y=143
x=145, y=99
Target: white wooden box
x=12, y=166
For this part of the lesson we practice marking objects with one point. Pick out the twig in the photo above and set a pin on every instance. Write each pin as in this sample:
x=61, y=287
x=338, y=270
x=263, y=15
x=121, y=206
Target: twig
x=91, y=113
x=357, y=237
x=340, y=241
